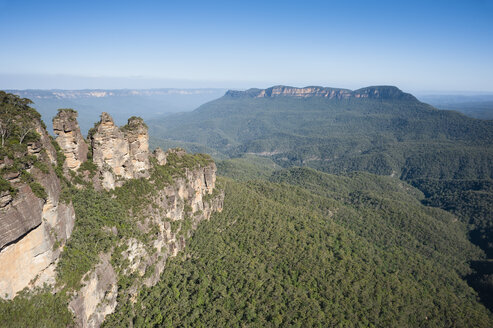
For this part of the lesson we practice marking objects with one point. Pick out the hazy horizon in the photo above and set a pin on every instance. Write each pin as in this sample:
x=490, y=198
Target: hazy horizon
x=421, y=46
x=238, y=85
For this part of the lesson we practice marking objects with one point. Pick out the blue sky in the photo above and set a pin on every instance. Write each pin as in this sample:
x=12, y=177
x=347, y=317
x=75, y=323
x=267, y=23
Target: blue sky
x=420, y=46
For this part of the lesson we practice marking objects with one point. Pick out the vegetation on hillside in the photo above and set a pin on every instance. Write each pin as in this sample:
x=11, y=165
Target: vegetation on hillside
x=283, y=255
x=294, y=246
x=17, y=131
x=443, y=153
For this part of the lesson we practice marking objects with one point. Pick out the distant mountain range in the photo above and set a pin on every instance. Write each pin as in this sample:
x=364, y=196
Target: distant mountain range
x=477, y=106
x=121, y=104
x=380, y=92
x=100, y=93
x=379, y=129
x=287, y=244
x=324, y=127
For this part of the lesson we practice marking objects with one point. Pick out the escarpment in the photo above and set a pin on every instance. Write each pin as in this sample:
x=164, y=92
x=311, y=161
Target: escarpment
x=375, y=92
x=162, y=219
x=35, y=220
x=96, y=220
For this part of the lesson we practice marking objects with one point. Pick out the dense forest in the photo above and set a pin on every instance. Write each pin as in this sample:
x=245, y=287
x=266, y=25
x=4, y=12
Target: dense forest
x=381, y=240
x=445, y=154
x=311, y=249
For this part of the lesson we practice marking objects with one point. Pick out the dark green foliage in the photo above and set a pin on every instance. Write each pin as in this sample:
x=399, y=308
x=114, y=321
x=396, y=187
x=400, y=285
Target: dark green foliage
x=282, y=255
x=396, y=136
x=472, y=202
x=60, y=159
x=17, y=120
x=133, y=122
x=36, y=308
x=99, y=211
x=189, y=161
x=42, y=166
x=94, y=211
x=36, y=188
x=89, y=166
x=317, y=126
x=247, y=167
x=6, y=186
x=17, y=129
x=72, y=113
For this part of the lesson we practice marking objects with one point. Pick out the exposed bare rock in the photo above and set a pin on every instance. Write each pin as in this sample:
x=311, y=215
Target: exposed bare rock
x=110, y=151
x=376, y=92
x=184, y=199
x=187, y=201
x=122, y=152
x=70, y=138
x=138, y=141
x=35, y=223
x=97, y=298
x=23, y=214
x=32, y=229
x=11, y=176
x=5, y=199
x=160, y=156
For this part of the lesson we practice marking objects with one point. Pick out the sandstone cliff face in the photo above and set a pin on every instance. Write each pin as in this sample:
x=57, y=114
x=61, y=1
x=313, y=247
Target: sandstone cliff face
x=35, y=222
x=98, y=297
x=138, y=143
x=160, y=156
x=33, y=229
x=70, y=138
x=120, y=155
x=377, y=92
x=172, y=213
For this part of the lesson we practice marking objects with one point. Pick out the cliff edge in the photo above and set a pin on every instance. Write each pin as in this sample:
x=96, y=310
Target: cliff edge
x=94, y=219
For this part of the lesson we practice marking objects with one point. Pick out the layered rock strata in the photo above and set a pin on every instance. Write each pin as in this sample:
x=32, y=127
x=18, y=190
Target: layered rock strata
x=190, y=198
x=69, y=138
x=120, y=153
x=36, y=225
x=377, y=92
x=32, y=229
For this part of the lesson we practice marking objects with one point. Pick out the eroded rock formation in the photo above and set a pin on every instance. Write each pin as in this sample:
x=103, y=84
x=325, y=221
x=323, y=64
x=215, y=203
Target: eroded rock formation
x=122, y=153
x=70, y=138
x=190, y=198
x=36, y=221
x=160, y=156
x=138, y=143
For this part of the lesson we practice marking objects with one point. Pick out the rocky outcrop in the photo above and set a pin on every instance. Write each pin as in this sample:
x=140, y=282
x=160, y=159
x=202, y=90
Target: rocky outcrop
x=22, y=214
x=172, y=214
x=160, y=156
x=70, y=138
x=32, y=229
x=138, y=143
x=122, y=153
x=377, y=92
x=98, y=296
x=35, y=223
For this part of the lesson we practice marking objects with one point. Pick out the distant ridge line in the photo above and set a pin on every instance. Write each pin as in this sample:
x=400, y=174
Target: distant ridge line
x=372, y=92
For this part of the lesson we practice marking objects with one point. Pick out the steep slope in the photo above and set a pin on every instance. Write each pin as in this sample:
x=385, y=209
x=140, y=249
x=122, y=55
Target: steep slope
x=377, y=129
x=381, y=130
x=133, y=211
x=317, y=250
x=35, y=217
